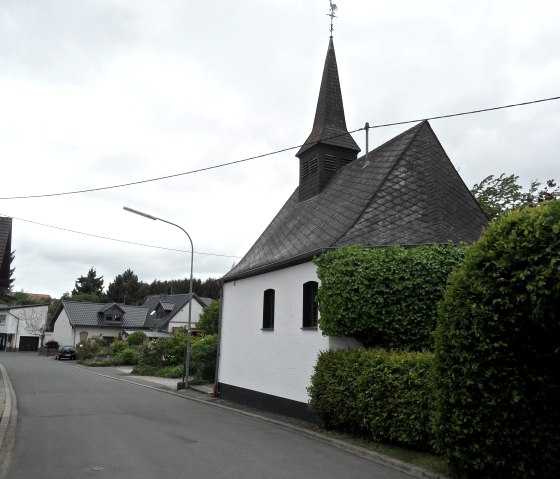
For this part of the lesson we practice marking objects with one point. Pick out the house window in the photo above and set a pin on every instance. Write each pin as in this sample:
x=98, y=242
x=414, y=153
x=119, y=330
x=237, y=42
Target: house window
x=310, y=310
x=113, y=318
x=268, y=309
x=83, y=335
x=2, y=319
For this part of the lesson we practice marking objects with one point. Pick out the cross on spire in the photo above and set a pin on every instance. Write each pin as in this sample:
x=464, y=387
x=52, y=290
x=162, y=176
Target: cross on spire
x=334, y=8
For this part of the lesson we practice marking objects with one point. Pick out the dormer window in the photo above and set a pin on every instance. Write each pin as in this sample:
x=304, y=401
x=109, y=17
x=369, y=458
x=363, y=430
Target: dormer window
x=113, y=318
x=111, y=314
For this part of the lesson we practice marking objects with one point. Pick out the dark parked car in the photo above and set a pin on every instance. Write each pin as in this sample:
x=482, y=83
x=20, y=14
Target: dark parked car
x=65, y=352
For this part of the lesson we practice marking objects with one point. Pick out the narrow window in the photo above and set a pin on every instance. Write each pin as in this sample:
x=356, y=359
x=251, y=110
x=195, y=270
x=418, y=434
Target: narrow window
x=310, y=312
x=83, y=335
x=268, y=309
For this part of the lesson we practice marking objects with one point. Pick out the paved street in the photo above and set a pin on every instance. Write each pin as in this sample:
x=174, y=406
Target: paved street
x=74, y=424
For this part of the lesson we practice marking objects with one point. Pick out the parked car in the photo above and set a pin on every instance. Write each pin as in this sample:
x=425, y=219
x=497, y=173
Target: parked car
x=65, y=352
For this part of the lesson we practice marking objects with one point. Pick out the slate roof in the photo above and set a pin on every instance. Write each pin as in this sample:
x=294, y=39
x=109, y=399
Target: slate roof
x=176, y=301
x=329, y=125
x=86, y=314
x=405, y=192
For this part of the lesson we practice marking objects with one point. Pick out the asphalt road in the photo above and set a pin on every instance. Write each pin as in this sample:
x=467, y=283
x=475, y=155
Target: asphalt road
x=74, y=424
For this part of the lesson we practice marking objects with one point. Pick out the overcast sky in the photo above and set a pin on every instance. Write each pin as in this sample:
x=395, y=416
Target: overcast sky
x=95, y=93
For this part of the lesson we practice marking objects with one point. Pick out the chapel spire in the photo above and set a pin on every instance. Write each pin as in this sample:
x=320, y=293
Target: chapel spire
x=329, y=146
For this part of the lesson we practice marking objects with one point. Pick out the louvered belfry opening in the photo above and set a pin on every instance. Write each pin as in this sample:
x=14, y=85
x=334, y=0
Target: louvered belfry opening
x=329, y=147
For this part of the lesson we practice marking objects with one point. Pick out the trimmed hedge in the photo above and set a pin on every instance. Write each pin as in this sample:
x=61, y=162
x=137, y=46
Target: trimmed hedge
x=498, y=351
x=384, y=296
x=385, y=395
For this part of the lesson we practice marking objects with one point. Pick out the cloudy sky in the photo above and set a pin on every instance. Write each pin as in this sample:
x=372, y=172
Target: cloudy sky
x=97, y=93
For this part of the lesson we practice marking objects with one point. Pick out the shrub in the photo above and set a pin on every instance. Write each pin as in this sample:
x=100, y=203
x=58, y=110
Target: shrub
x=137, y=338
x=87, y=349
x=163, y=372
x=209, y=318
x=497, y=348
x=52, y=344
x=126, y=356
x=203, y=357
x=386, y=396
x=168, y=351
x=384, y=296
x=117, y=346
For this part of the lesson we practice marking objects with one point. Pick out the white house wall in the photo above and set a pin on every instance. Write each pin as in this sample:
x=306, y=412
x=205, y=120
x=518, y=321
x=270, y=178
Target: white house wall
x=16, y=322
x=278, y=362
x=181, y=319
x=62, y=332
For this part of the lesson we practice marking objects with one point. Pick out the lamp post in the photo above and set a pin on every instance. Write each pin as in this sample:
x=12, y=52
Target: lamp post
x=185, y=383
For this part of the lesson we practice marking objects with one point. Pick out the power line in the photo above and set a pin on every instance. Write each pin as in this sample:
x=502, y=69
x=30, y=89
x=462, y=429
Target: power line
x=119, y=240
x=283, y=150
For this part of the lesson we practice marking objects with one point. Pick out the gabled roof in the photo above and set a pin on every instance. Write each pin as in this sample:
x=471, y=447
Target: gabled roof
x=177, y=301
x=87, y=314
x=329, y=125
x=405, y=192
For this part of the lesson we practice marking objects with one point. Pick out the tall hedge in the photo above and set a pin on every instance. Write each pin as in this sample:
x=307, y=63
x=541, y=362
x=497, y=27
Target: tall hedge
x=384, y=296
x=387, y=396
x=498, y=351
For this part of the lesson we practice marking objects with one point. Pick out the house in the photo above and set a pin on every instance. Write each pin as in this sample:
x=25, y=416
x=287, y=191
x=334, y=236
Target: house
x=22, y=327
x=75, y=321
x=405, y=192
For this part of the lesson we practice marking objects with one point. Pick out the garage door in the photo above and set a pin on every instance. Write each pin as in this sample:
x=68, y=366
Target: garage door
x=28, y=343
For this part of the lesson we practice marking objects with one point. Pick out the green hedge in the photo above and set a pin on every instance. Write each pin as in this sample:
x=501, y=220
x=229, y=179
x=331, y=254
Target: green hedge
x=498, y=351
x=384, y=296
x=387, y=396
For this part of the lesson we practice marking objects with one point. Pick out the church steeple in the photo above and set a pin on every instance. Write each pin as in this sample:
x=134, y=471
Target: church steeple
x=329, y=146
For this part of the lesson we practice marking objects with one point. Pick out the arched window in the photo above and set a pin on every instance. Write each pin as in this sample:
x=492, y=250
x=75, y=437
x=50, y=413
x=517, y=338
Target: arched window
x=268, y=309
x=83, y=335
x=310, y=311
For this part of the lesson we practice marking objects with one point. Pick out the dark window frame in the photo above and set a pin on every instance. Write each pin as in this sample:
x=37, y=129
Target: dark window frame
x=310, y=311
x=269, y=300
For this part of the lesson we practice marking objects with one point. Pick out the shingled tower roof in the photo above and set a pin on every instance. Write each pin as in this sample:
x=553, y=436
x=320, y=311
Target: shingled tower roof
x=329, y=126
x=405, y=192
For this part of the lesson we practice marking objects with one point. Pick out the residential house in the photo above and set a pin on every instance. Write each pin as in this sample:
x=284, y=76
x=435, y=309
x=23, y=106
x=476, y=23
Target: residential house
x=22, y=327
x=404, y=192
x=76, y=321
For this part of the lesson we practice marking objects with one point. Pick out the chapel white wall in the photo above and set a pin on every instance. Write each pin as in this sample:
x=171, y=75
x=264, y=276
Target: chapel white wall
x=278, y=362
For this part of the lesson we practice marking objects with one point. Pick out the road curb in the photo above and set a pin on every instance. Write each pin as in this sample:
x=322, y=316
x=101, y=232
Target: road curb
x=8, y=418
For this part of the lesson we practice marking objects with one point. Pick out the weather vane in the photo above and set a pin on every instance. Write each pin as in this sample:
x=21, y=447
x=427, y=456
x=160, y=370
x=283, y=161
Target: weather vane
x=334, y=8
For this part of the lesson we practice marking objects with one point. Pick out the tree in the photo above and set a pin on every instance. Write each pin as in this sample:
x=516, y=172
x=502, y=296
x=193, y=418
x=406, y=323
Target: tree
x=209, y=318
x=209, y=288
x=35, y=321
x=499, y=195
x=127, y=289
x=88, y=284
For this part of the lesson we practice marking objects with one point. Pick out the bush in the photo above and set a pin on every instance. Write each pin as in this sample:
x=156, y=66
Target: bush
x=203, y=357
x=168, y=351
x=87, y=349
x=384, y=296
x=117, y=346
x=386, y=396
x=164, y=372
x=209, y=318
x=137, y=338
x=497, y=349
x=52, y=344
x=126, y=356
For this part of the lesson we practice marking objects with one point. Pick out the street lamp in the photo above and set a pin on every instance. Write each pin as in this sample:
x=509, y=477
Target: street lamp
x=185, y=383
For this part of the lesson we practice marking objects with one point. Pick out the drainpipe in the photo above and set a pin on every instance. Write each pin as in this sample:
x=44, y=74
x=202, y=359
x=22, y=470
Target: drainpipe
x=215, y=389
